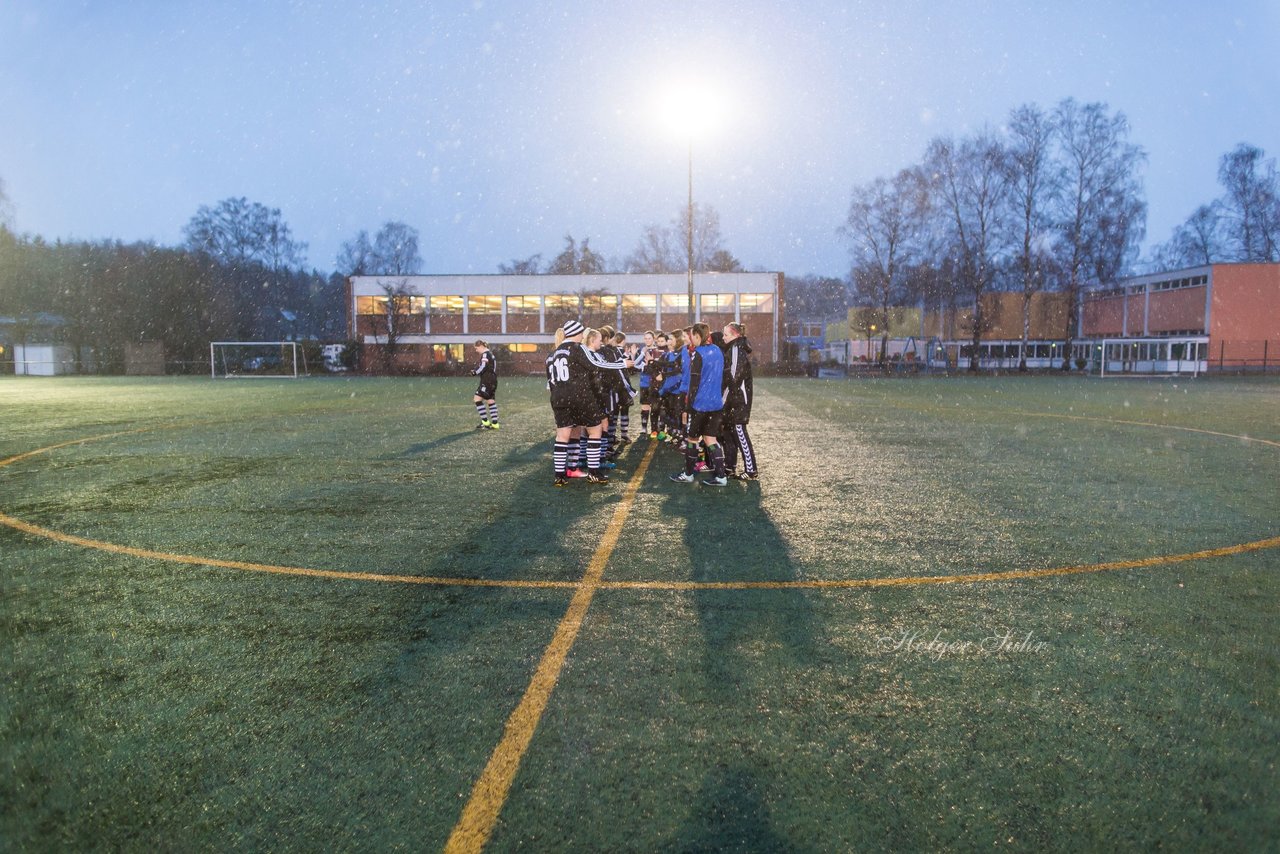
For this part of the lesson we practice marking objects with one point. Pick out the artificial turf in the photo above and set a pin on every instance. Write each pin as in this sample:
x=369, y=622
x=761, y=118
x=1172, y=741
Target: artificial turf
x=151, y=703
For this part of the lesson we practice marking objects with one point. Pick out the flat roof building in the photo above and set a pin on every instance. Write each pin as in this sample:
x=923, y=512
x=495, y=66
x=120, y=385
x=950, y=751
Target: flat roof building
x=435, y=318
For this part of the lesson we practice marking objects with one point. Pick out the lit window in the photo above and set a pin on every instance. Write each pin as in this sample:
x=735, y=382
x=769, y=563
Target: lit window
x=600, y=302
x=524, y=304
x=378, y=305
x=562, y=303
x=522, y=348
x=446, y=305
x=640, y=303
x=371, y=305
x=484, y=305
x=755, y=302
x=717, y=302
x=675, y=303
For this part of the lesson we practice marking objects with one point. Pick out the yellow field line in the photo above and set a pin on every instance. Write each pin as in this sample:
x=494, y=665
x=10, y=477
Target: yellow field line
x=971, y=578
x=19, y=457
x=1052, y=415
x=196, y=560
x=490, y=791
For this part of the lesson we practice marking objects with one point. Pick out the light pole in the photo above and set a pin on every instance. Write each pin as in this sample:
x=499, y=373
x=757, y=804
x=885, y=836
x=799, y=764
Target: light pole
x=689, y=235
x=690, y=108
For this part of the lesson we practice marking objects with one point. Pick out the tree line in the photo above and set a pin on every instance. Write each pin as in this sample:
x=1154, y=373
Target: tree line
x=1052, y=201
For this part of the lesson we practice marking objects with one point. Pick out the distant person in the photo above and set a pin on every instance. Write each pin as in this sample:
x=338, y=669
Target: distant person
x=486, y=392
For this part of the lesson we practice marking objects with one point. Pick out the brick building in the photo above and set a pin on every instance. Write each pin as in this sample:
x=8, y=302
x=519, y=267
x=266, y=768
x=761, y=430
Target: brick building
x=435, y=319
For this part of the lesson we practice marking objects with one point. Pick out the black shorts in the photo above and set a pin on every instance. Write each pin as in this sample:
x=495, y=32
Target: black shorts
x=487, y=391
x=704, y=423
x=577, y=415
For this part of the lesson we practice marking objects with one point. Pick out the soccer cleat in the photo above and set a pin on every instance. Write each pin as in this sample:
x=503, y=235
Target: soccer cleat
x=747, y=476
x=661, y=437
x=560, y=480
x=493, y=425
x=483, y=425
x=656, y=435
x=572, y=473
x=716, y=481
x=681, y=477
x=701, y=466
x=597, y=478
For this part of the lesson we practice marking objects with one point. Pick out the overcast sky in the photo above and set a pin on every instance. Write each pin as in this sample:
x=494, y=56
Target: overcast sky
x=495, y=128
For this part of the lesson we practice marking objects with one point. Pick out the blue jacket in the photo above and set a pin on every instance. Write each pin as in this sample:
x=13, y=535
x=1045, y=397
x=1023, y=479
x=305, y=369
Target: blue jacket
x=706, y=379
x=684, y=370
x=670, y=372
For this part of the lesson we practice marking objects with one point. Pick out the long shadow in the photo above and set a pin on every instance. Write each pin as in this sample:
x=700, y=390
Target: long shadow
x=423, y=448
x=750, y=640
x=731, y=815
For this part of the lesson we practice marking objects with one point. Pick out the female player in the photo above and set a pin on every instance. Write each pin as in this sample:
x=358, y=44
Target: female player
x=737, y=403
x=573, y=400
x=487, y=390
x=706, y=400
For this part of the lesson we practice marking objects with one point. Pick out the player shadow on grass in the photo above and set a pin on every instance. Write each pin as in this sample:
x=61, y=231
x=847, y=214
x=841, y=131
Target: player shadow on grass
x=729, y=536
x=747, y=636
x=730, y=814
x=423, y=448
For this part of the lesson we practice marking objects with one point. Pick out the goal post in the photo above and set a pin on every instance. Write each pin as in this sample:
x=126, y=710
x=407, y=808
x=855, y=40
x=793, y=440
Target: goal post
x=256, y=360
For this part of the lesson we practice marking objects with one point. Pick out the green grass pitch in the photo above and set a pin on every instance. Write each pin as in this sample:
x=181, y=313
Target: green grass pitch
x=150, y=703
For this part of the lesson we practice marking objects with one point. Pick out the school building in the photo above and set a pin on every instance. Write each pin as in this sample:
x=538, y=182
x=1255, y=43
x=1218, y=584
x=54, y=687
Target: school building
x=1213, y=317
x=1219, y=316
x=434, y=320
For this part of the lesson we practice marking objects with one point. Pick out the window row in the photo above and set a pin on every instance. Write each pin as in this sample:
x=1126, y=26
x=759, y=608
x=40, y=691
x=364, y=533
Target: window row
x=565, y=303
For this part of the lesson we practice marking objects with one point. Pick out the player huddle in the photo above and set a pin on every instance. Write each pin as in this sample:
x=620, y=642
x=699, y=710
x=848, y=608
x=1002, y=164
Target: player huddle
x=695, y=392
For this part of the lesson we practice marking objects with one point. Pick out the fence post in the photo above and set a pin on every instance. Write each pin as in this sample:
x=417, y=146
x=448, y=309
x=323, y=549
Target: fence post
x=1222, y=354
x=1265, y=342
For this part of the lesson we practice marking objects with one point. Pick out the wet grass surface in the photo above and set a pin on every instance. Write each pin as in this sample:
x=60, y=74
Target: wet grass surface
x=150, y=703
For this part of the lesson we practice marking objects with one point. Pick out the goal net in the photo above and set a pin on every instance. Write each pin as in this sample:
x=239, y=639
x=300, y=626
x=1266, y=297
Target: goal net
x=1148, y=357
x=256, y=359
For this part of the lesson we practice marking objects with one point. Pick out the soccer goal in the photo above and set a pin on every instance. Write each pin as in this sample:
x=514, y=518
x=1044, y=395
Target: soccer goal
x=1148, y=357
x=256, y=359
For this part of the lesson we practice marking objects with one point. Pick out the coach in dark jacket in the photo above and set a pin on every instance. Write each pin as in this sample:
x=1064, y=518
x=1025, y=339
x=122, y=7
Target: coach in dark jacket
x=738, y=398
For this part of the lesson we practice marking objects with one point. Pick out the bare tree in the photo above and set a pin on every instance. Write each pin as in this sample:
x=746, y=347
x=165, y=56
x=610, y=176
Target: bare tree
x=522, y=266
x=970, y=183
x=885, y=224
x=722, y=261
x=663, y=249
x=392, y=323
x=1251, y=206
x=239, y=233
x=356, y=256
x=1033, y=185
x=395, y=250
x=6, y=207
x=1197, y=241
x=1100, y=216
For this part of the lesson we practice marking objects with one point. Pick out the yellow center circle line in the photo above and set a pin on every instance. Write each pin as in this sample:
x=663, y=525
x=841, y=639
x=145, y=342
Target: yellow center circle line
x=803, y=584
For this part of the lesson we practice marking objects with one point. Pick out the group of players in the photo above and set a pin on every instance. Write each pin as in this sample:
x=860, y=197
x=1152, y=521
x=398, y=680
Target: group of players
x=695, y=392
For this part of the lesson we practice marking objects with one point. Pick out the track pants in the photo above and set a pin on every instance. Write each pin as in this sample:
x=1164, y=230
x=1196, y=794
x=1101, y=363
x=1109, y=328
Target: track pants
x=737, y=439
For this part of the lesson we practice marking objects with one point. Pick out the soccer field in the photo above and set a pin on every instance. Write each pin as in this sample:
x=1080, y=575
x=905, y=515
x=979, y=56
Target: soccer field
x=1035, y=613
